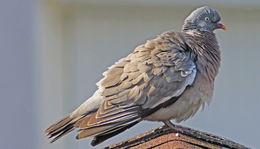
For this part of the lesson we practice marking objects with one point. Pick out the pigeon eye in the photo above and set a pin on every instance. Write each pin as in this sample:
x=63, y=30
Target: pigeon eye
x=206, y=18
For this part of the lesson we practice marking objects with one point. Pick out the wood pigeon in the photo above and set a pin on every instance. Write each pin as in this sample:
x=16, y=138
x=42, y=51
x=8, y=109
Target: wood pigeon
x=167, y=78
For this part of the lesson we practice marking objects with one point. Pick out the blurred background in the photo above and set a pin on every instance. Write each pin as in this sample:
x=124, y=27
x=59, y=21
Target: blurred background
x=54, y=51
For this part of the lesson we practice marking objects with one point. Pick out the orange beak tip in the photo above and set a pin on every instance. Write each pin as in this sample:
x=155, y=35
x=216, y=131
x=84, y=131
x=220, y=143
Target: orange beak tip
x=224, y=27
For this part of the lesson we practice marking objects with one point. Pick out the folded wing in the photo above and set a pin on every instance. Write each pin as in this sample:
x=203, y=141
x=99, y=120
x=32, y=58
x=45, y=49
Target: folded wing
x=154, y=73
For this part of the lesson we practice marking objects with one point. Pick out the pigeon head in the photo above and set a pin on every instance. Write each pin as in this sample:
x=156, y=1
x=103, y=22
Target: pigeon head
x=203, y=19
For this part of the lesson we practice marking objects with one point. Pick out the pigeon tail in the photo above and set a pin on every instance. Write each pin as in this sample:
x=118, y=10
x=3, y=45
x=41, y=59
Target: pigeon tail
x=60, y=128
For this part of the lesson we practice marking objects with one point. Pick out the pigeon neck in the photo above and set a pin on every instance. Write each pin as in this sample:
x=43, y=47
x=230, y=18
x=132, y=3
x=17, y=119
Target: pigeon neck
x=206, y=47
x=192, y=32
x=188, y=27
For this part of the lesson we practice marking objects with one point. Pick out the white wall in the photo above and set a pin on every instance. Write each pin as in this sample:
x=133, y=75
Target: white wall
x=17, y=93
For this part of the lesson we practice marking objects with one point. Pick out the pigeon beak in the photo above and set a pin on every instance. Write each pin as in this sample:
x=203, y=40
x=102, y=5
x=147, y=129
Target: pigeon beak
x=221, y=26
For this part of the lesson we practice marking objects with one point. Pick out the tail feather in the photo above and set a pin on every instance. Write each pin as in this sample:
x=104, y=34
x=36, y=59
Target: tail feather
x=90, y=124
x=59, y=129
x=102, y=132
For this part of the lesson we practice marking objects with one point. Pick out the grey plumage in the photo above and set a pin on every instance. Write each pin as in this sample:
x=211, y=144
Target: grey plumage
x=169, y=77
